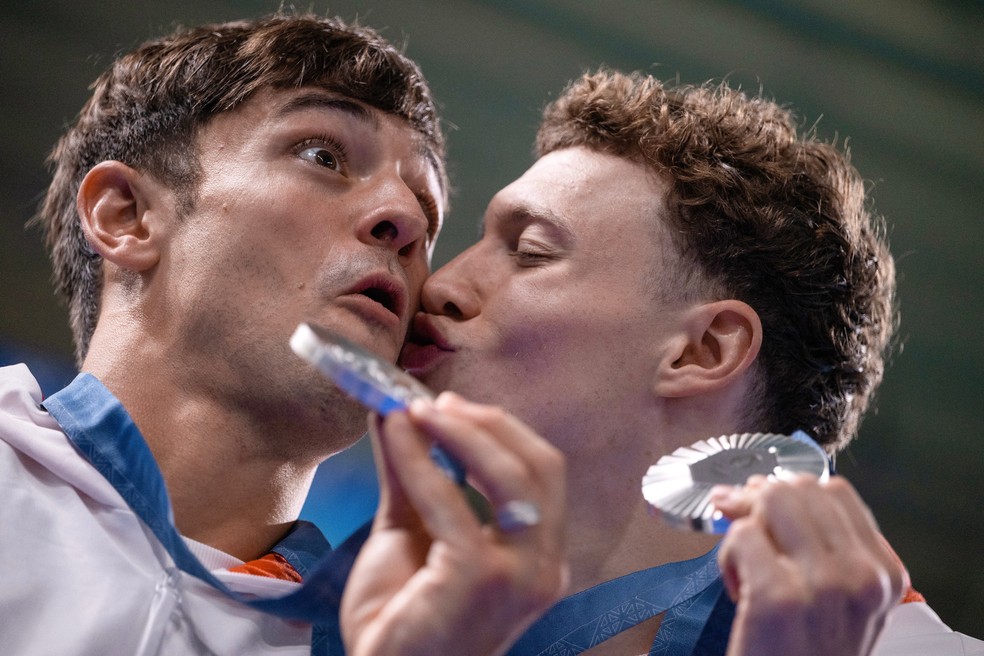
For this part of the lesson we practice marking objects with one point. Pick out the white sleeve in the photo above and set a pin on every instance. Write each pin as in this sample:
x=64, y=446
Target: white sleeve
x=913, y=629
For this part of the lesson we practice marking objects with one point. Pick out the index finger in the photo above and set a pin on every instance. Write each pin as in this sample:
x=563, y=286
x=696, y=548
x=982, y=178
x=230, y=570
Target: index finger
x=437, y=502
x=506, y=460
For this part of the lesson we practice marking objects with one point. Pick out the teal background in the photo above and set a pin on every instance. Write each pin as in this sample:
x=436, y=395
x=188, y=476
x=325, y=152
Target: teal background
x=902, y=81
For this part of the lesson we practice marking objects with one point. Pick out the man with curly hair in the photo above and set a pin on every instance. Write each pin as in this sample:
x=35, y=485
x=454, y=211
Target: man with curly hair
x=682, y=263
x=221, y=185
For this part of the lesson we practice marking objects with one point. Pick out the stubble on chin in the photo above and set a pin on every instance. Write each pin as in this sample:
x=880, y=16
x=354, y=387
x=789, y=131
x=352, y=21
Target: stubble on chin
x=310, y=419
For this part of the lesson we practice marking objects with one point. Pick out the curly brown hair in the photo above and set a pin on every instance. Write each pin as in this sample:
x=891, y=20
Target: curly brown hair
x=772, y=217
x=147, y=108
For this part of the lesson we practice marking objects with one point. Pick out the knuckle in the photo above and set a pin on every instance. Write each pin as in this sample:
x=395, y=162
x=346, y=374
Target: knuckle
x=533, y=583
x=875, y=588
x=738, y=533
x=490, y=415
x=874, y=592
x=840, y=488
x=898, y=581
x=740, y=530
x=863, y=585
x=515, y=470
x=784, y=601
x=553, y=462
x=773, y=497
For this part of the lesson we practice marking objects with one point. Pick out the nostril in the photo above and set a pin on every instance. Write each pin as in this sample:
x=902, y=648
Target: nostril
x=385, y=231
x=408, y=250
x=452, y=310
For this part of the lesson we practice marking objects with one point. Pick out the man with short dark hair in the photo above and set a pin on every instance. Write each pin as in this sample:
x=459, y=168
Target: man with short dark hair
x=222, y=185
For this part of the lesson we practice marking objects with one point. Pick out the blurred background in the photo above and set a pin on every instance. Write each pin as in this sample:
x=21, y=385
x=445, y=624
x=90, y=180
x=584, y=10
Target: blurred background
x=901, y=80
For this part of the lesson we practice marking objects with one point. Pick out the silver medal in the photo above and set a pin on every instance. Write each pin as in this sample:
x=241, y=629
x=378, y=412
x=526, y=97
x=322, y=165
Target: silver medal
x=679, y=485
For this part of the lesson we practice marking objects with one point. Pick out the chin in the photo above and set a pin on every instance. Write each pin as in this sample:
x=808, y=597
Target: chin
x=435, y=379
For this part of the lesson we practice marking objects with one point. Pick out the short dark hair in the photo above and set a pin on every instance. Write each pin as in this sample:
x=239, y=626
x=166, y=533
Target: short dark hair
x=772, y=217
x=147, y=108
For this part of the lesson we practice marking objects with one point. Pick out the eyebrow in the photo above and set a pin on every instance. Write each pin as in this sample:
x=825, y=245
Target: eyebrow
x=321, y=101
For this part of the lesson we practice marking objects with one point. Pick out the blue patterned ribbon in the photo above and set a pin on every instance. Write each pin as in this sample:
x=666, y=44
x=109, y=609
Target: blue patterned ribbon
x=107, y=437
x=688, y=592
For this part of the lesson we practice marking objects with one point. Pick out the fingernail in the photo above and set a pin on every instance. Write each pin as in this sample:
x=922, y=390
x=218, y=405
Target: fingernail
x=445, y=399
x=420, y=407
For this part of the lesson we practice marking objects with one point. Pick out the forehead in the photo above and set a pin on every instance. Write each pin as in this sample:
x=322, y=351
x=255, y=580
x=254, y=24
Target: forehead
x=591, y=192
x=272, y=107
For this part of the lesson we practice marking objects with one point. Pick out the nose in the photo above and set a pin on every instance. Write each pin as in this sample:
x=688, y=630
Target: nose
x=453, y=290
x=396, y=221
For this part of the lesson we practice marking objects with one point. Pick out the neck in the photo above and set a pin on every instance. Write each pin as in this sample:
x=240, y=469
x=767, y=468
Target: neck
x=237, y=477
x=611, y=531
x=631, y=541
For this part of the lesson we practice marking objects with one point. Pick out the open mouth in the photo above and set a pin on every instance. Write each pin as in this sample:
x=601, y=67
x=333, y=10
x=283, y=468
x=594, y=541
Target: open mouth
x=382, y=296
x=385, y=292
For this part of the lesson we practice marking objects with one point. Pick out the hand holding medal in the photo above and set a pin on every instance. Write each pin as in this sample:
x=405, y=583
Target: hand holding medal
x=679, y=486
x=802, y=557
x=429, y=560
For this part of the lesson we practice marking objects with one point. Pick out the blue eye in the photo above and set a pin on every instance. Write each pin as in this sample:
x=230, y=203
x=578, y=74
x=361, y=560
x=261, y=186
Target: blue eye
x=321, y=156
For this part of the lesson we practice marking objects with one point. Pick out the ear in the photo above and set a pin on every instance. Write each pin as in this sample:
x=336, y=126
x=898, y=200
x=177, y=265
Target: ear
x=119, y=207
x=719, y=343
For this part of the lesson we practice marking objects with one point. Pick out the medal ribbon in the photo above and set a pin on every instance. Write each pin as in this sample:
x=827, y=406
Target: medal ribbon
x=686, y=591
x=107, y=437
x=102, y=430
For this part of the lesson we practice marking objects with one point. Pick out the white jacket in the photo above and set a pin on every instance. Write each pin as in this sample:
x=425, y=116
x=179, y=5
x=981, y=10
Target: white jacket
x=81, y=574
x=913, y=629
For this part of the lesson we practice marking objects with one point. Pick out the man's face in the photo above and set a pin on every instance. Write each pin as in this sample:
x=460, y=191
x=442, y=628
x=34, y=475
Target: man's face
x=311, y=207
x=554, y=312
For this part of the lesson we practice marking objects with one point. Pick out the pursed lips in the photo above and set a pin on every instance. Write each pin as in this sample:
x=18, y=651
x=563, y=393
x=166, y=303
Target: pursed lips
x=425, y=345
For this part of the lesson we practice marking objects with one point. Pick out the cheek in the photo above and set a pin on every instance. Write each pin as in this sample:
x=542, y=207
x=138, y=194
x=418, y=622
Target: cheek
x=540, y=343
x=568, y=341
x=549, y=320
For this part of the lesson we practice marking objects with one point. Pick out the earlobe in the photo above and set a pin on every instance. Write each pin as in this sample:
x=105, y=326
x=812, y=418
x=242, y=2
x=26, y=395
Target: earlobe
x=719, y=343
x=115, y=205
